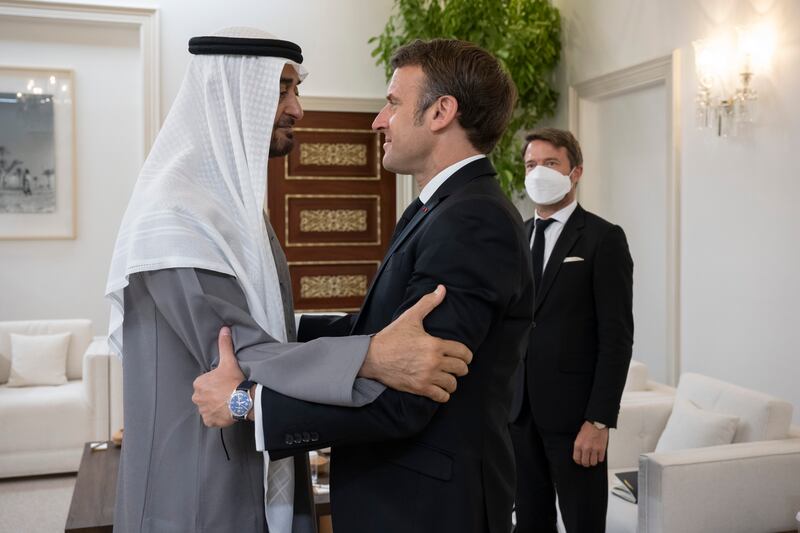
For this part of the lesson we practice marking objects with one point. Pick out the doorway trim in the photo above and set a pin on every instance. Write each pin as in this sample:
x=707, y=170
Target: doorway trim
x=661, y=71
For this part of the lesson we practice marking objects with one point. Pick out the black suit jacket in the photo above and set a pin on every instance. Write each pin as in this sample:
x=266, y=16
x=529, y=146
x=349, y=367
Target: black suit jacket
x=580, y=344
x=405, y=463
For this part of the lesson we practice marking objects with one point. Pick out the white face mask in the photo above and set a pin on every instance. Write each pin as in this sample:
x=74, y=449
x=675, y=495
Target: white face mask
x=547, y=186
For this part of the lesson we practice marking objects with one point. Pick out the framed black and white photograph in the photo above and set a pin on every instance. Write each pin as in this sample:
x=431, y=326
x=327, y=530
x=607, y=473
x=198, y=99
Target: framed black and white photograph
x=37, y=162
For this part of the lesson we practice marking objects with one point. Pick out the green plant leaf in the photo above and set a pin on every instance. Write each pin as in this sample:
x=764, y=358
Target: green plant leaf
x=525, y=35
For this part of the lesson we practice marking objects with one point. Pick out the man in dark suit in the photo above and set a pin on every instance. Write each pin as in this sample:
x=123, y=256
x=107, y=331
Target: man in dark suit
x=404, y=462
x=568, y=387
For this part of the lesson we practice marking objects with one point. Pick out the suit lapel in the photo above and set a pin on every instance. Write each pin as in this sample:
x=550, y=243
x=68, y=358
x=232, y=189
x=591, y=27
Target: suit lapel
x=413, y=223
x=569, y=236
x=480, y=167
x=529, y=225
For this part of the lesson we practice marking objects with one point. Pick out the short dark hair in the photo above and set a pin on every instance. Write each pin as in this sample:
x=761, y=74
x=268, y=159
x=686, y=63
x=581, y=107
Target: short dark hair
x=485, y=92
x=559, y=139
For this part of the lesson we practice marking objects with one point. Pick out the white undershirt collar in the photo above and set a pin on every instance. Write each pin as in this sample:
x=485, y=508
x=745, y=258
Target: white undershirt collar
x=562, y=215
x=431, y=187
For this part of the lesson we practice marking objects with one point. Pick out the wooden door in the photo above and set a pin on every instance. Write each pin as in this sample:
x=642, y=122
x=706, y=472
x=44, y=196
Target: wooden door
x=333, y=208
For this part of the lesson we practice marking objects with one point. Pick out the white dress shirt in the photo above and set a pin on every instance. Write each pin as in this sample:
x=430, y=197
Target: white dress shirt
x=553, y=231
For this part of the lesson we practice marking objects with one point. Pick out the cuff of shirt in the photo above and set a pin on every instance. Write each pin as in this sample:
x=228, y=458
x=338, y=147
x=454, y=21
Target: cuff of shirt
x=259, y=423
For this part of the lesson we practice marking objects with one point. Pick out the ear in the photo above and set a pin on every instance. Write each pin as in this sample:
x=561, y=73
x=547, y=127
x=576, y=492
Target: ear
x=443, y=112
x=577, y=172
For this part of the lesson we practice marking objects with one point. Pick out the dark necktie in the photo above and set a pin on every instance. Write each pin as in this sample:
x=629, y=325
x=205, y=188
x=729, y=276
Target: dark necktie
x=537, y=251
x=406, y=217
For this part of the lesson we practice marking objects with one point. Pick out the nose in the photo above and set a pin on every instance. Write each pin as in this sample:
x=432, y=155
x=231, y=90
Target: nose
x=293, y=108
x=380, y=123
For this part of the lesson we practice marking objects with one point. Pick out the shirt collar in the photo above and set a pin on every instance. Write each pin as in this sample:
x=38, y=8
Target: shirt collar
x=563, y=215
x=428, y=190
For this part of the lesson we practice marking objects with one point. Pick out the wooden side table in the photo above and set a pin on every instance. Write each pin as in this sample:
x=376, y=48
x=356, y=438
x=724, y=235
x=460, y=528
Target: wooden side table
x=92, y=506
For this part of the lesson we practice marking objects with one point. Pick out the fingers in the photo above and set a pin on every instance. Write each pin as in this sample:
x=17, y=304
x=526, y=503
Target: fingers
x=593, y=456
x=446, y=381
x=454, y=366
x=426, y=304
x=456, y=349
x=586, y=454
x=436, y=394
x=225, y=344
x=586, y=457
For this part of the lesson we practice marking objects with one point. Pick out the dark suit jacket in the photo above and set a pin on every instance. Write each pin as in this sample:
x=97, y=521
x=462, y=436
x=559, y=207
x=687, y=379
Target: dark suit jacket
x=405, y=463
x=580, y=344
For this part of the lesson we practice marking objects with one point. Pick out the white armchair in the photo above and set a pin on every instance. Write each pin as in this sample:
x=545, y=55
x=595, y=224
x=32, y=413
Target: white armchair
x=751, y=485
x=644, y=410
x=43, y=428
x=639, y=386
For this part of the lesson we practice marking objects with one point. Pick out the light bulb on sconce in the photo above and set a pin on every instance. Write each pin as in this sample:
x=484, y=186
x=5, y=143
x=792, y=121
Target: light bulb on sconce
x=726, y=99
x=708, y=60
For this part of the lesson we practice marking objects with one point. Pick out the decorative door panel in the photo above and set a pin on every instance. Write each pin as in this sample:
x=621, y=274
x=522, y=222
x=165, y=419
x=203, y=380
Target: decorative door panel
x=333, y=209
x=332, y=220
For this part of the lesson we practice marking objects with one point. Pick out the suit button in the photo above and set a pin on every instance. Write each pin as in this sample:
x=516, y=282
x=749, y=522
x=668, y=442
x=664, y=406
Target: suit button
x=298, y=438
x=314, y=436
x=289, y=439
x=306, y=437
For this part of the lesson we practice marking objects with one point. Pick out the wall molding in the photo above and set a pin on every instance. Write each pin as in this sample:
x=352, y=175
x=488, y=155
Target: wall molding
x=143, y=18
x=664, y=70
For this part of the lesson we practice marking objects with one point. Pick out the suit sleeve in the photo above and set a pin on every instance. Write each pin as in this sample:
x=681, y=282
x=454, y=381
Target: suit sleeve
x=472, y=249
x=197, y=303
x=316, y=326
x=613, y=290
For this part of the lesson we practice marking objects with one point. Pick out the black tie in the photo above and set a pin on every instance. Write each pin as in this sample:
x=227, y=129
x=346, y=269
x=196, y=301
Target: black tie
x=540, y=226
x=408, y=214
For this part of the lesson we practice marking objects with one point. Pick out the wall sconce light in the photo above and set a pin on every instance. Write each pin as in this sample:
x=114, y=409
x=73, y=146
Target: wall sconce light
x=726, y=99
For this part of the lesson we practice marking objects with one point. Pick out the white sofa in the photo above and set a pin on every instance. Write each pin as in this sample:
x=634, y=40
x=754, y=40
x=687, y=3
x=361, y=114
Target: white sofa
x=639, y=434
x=43, y=428
x=751, y=485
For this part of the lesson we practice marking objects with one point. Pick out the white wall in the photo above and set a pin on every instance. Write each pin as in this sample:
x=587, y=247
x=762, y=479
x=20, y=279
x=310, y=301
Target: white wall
x=740, y=239
x=333, y=36
x=60, y=279
x=66, y=278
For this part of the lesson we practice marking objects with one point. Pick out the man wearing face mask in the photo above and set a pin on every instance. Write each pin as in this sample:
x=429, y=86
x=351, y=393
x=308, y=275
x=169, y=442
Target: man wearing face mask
x=568, y=386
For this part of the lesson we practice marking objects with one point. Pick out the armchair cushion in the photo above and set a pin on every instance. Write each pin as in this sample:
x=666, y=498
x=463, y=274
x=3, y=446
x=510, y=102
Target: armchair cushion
x=80, y=328
x=43, y=418
x=691, y=427
x=637, y=377
x=761, y=416
x=38, y=359
x=639, y=426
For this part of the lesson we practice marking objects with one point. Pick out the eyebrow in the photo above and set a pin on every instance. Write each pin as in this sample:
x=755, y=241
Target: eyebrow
x=549, y=159
x=289, y=81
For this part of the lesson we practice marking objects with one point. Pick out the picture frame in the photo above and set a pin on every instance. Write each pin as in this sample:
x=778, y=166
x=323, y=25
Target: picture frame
x=37, y=153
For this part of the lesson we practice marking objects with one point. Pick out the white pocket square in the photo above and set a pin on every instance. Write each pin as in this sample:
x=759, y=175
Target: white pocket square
x=572, y=259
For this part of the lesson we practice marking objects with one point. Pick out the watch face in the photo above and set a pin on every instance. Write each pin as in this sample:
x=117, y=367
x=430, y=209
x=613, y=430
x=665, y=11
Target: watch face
x=240, y=403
